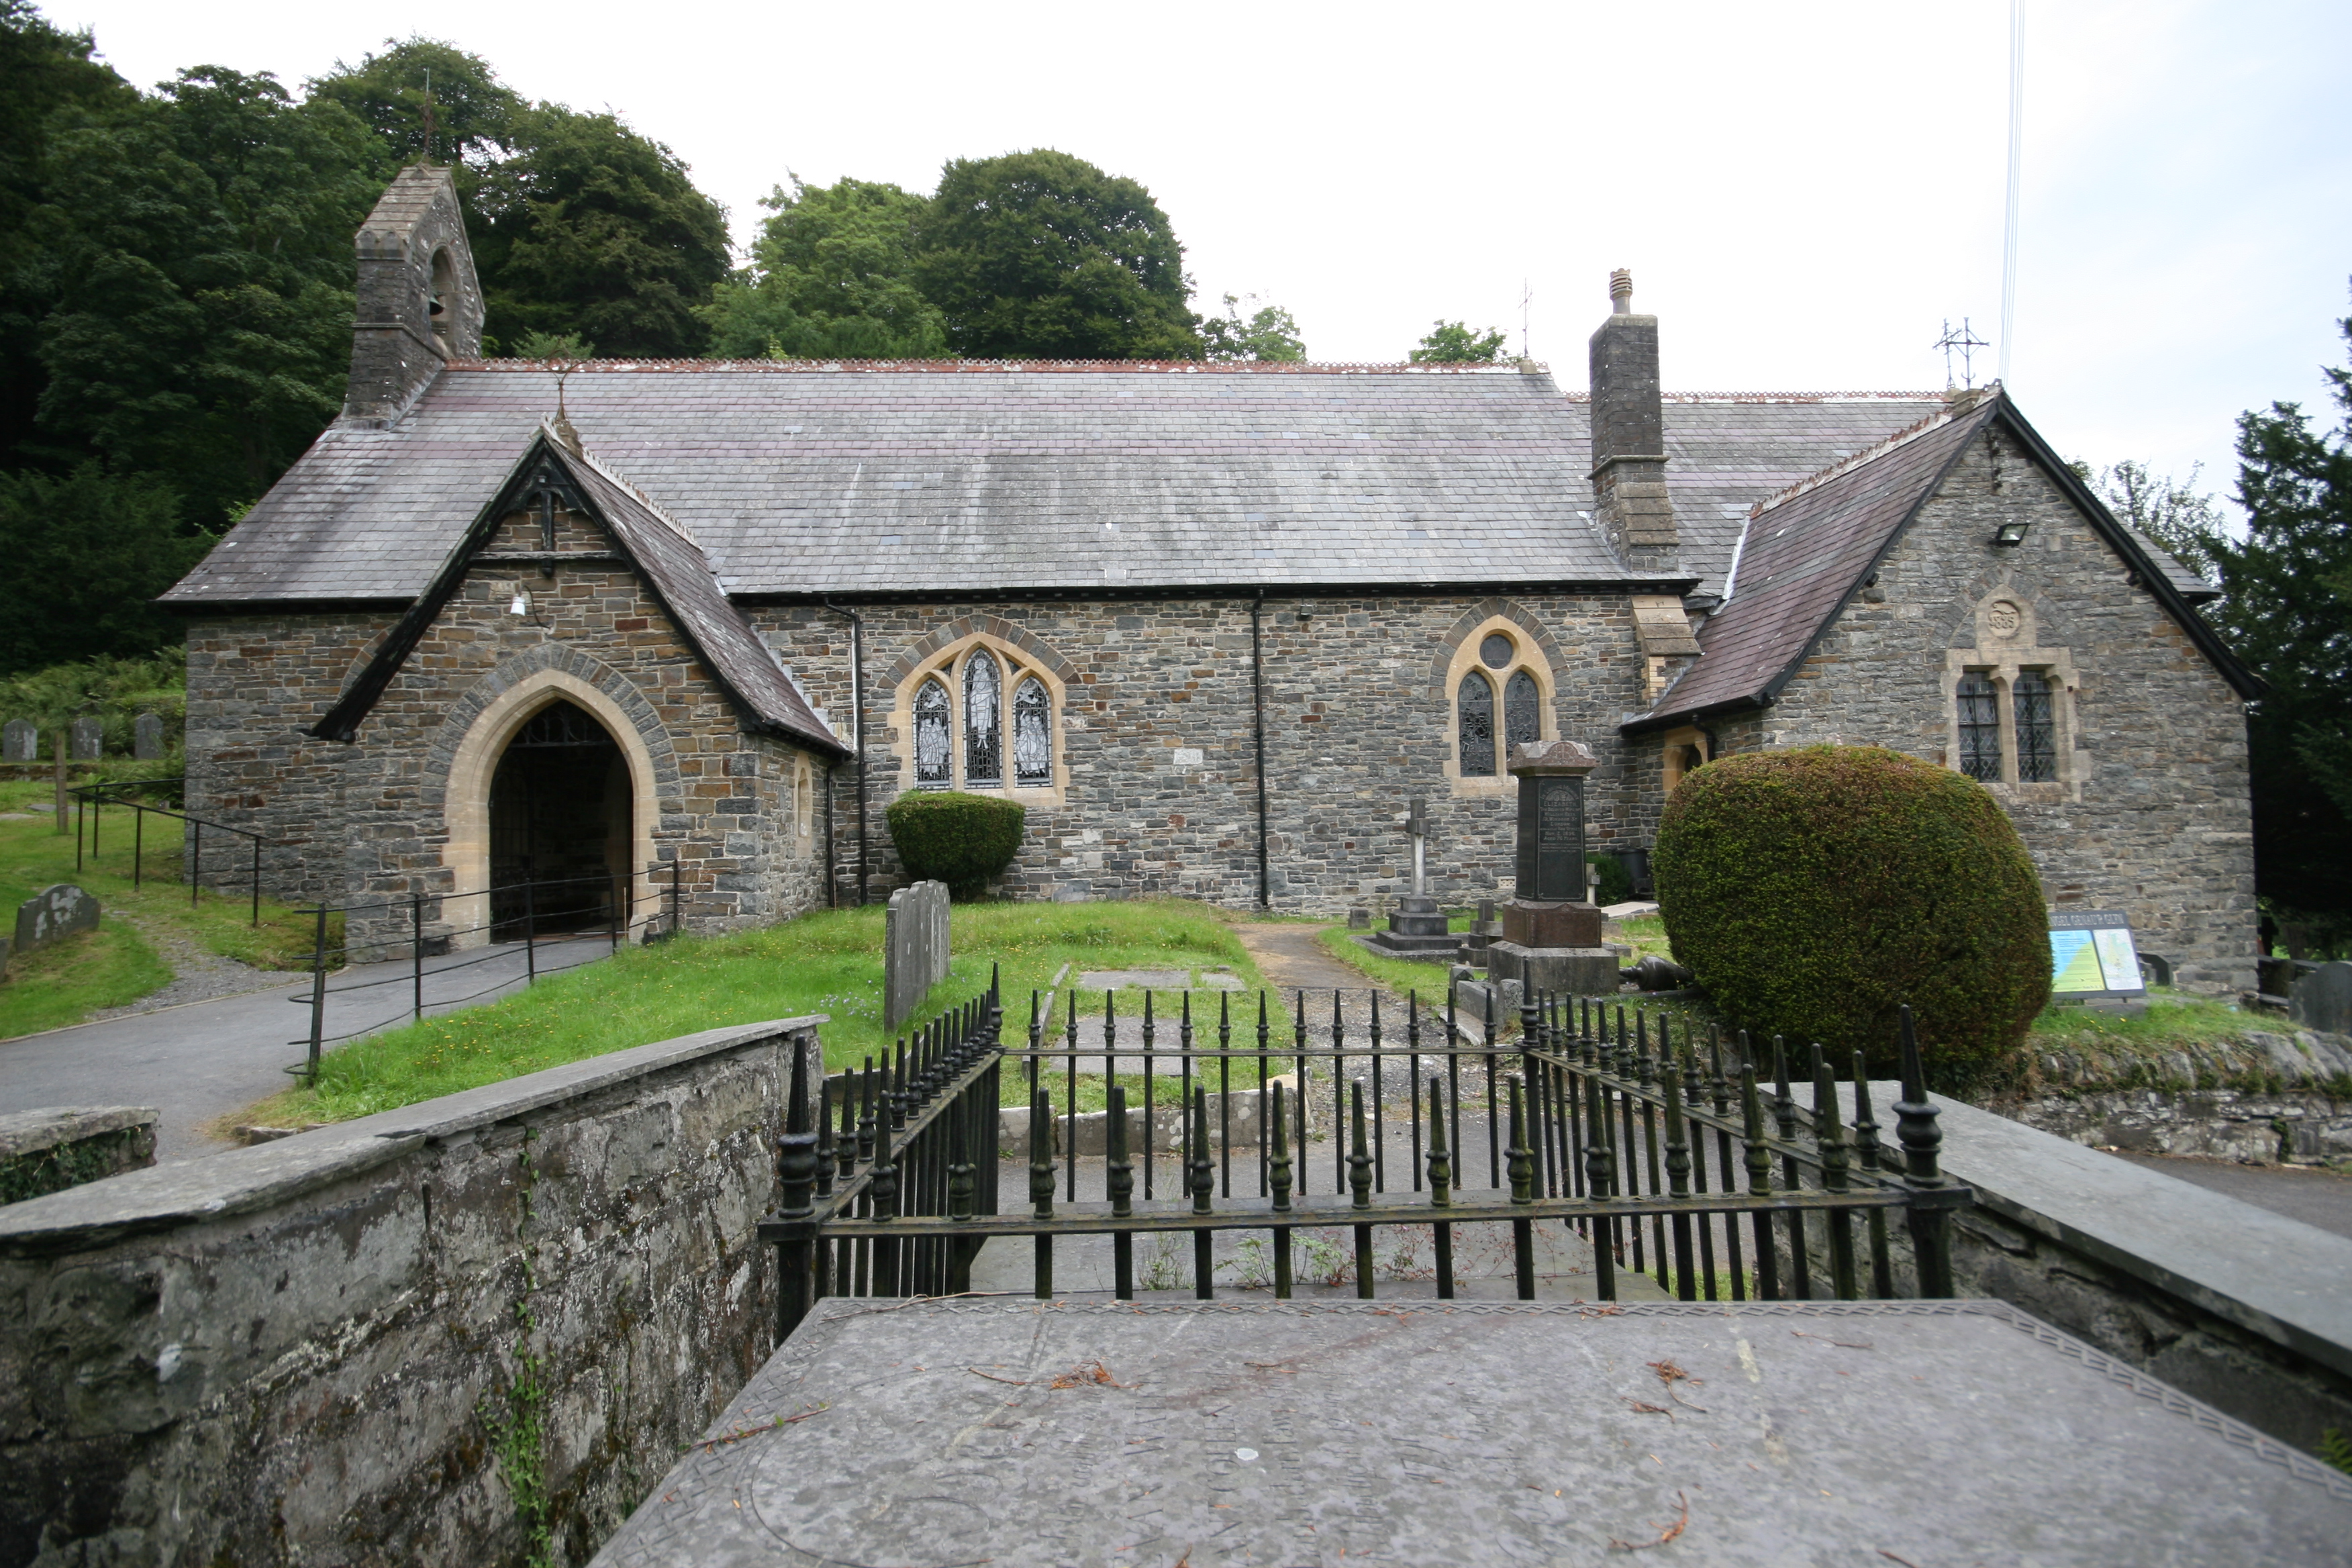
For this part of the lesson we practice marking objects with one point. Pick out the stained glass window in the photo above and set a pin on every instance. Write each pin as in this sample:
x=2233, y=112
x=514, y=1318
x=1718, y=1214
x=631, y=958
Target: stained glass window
x=983, y=721
x=1494, y=650
x=1979, y=727
x=931, y=736
x=1522, y=710
x=2037, y=735
x=1477, y=705
x=1033, y=734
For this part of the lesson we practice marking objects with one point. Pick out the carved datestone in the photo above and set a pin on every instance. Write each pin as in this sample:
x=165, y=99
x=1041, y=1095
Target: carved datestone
x=53, y=914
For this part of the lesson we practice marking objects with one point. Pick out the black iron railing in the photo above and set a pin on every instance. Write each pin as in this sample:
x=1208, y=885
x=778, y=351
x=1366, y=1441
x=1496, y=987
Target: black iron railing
x=1687, y=1161
x=91, y=801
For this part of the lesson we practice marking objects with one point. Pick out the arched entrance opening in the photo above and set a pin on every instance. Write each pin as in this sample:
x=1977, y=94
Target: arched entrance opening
x=560, y=826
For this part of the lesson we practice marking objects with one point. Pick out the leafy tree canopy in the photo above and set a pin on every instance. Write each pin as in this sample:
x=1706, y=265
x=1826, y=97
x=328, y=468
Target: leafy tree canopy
x=1451, y=343
x=197, y=266
x=592, y=228
x=98, y=546
x=1268, y=333
x=1041, y=255
x=2181, y=519
x=832, y=278
x=2288, y=610
x=474, y=113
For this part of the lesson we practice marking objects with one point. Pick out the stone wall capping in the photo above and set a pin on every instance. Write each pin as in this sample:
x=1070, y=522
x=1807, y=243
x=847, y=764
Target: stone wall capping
x=2270, y=1275
x=244, y=1181
x=30, y=1131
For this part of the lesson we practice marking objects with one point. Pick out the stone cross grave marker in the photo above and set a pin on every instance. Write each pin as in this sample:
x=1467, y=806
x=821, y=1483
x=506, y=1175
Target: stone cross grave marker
x=2322, y=999
x=914, y=949
x=53, y=914
x=147, y=738
x=20, y=740
x=89, y=739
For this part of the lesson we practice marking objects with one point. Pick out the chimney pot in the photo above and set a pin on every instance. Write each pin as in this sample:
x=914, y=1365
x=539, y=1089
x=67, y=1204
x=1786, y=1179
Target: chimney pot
x=1620, y=291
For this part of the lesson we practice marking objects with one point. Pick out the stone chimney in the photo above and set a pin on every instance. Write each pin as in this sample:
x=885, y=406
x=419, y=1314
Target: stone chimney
x=419, y=303
x=1628, y=439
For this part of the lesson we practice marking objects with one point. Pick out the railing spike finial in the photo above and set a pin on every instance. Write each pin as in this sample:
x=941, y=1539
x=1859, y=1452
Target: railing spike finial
x=1441, y=1163
x=796, y=1103
x=1201, y=1174
x=1360, y=1156
x=1519, y=1159
x=1278, y=1165
x=1866, y=1120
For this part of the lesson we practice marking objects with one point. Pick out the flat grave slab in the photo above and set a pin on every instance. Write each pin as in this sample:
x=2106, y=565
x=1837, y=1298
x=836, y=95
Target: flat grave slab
x=1932, y=1433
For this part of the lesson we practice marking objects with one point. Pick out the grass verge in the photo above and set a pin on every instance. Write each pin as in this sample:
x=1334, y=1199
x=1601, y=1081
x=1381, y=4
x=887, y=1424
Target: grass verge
x=117, y=964
x=828, y=962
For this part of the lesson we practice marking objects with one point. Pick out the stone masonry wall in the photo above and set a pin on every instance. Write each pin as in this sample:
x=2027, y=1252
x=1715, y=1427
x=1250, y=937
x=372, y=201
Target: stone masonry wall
x=306, y=1352
x=1355, y=726
x=2151, y=813
x=372, y=817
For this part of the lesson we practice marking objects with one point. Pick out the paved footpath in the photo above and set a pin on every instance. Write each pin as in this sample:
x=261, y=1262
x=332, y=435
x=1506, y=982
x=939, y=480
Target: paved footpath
x=199, y=1062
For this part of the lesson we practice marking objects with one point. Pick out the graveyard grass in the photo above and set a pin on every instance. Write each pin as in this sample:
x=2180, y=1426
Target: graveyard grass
x=827, y=962
x=1645, y=934
x=117, y=964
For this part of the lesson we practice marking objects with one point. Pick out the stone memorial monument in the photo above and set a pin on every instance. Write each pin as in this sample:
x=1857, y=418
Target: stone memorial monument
x=88, y=738
x=1417, y=929
x=914, y=949
x=53, y=914
x=1551, y=931
x=20, y=740
x=147, y=738
x=2322, y=999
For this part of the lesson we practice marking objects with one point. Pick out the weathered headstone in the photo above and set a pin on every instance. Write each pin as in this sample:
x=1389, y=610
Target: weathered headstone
x=89, y=739
x=914, y=949
x=2322, y=999
x=53, y=914
x=20, y=740
x=1551, y=935
x=147, y=738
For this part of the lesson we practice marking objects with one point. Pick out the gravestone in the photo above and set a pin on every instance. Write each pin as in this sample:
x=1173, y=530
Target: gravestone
x=147, y=738
x=2321, y=999
x=20, y=740
x=89, y=739
x=53, y=914
x=1551, y=933
x=914, y=949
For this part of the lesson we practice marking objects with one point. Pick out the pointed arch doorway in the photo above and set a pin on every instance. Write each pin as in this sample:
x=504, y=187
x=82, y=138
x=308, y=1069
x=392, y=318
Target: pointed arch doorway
x=561, y=825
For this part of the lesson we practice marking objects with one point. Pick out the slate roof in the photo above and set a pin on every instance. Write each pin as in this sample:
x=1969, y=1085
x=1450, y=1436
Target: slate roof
x=804, y=481
x=1808, y=548
x=667, y=557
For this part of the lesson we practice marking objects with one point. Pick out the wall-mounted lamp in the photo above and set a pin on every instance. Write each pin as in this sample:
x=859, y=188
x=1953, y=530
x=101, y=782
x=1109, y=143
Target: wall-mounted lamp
x=2009, y=535
x=521, y=606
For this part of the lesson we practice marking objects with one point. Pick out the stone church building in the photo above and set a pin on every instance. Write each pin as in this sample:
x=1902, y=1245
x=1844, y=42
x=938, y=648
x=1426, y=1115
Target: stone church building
x=639, y=626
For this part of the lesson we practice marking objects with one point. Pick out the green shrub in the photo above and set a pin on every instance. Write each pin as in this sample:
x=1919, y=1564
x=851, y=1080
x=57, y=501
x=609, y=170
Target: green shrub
x=960, y=840
x=1814, y=892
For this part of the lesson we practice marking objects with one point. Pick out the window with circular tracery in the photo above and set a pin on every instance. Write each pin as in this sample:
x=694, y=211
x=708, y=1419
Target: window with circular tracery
x=1498, y=703
x=965, y=729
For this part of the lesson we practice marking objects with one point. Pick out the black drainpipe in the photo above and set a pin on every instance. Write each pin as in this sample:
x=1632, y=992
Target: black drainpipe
x=857, y=732
x=1257, y=693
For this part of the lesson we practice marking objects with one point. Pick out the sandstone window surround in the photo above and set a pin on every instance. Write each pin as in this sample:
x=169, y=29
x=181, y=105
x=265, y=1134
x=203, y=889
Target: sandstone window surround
x=2009, y=705
x=981, y=714
x=1500, y=686
x=1683, y=752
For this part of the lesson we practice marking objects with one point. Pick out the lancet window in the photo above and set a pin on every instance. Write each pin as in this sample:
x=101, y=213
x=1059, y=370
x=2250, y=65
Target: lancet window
x=968, y=735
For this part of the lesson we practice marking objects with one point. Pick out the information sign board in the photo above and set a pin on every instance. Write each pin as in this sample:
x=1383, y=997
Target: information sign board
x=2092, y=954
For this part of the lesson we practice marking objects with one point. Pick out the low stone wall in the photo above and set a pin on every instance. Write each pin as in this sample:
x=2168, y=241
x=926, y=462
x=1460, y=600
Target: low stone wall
x=2221, y=1123
x=2237, y=1306
x=44, y=1151
x=429, y=1336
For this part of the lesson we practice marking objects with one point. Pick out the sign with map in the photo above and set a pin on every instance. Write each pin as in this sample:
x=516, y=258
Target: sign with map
x=2092, y=954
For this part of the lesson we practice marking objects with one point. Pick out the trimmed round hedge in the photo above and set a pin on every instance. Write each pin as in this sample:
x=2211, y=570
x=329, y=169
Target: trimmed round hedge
x=963, y=840
x=1815, y=890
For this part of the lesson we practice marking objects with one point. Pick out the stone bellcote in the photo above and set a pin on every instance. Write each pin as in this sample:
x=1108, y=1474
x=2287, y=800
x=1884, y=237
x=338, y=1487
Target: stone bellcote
x=419, y=302
x=1629, y=437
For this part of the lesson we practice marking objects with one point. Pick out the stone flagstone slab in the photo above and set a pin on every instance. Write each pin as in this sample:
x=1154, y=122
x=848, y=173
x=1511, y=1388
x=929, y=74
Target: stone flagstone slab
x=1468, y=1433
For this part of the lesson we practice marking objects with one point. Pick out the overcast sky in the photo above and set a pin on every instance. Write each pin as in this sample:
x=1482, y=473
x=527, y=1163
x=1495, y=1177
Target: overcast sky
x=1805, y=192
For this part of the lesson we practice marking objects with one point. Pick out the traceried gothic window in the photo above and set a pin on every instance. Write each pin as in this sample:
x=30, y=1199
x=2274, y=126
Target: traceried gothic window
x=1476, y=703
x=983, y=721
x=1522, y=710
x=1979, y=705
x=933, y=766
x=1033, y=733
x=2037, y=730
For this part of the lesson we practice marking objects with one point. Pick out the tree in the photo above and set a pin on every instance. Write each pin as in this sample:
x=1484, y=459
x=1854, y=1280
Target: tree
x=89, y=551
x=592, y=228
x=1268, y=333
x=1041, y=255
x=832, y=278
x=198, y=265
x=2288, y=611
x=474, y=113
x=2182, y=520
x=1451, y=343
